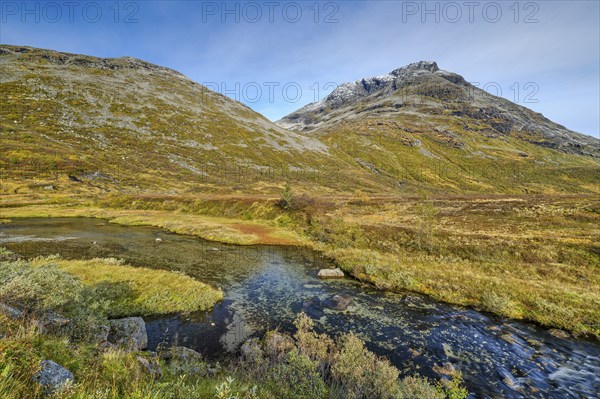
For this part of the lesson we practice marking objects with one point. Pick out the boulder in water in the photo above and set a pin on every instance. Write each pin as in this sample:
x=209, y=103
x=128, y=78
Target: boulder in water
x=339, y=302
x=331, y=273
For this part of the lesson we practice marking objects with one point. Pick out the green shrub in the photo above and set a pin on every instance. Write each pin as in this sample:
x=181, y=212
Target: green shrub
x=418, y=388
x=287, y=198
x=315, y=346
x=46, y=288
x=296, y=377
x=361, y=373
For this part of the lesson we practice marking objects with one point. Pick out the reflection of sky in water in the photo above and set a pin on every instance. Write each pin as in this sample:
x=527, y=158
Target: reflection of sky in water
x=265, y=287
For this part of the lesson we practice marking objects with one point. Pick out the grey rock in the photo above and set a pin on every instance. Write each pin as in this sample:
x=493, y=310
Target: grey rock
x=52, y=323
x=106, y=347
x=10, y=311
x=100, y=333
x=181, y=354
x=331, y=273
x=53, y=377
x=128, y=333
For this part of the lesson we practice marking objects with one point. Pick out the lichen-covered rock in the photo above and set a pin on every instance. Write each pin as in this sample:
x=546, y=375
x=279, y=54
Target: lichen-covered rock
x=53, y=377
x=100, y=333
x=10, y=311
x=331, y=273
x=52, y=323
x=128, y=333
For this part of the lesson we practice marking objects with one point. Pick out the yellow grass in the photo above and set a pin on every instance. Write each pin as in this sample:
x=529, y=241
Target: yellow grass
x=143, y=291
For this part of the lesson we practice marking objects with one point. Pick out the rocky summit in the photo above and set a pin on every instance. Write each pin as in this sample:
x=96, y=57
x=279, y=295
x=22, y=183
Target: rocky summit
x=425, y=90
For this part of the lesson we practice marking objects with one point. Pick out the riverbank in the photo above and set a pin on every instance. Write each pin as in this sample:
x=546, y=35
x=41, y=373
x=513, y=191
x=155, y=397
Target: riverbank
x=52, y=341
x=533, y=258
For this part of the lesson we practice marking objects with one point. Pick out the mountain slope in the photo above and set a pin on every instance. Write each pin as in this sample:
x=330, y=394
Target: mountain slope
x=429, y=126
x=127, y=123
x=76, y=123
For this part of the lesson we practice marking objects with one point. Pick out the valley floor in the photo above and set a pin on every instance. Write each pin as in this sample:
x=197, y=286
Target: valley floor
x=525, y=257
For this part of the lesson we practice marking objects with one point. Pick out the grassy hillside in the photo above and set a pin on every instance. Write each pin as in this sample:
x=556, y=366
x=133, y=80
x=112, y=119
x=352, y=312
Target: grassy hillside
x=77, y=124
x=126, y=124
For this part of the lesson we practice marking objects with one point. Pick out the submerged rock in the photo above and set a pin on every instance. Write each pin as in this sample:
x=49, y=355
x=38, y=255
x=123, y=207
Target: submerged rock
x=53, y=377
x=128, y=333
x=313, y=307
x=559, y=333
x=331, y=273
x=509, y=379
x=445, y=369
x=339, y=302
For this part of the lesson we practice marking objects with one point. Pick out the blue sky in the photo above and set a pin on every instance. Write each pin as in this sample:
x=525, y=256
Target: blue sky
x=544, y=55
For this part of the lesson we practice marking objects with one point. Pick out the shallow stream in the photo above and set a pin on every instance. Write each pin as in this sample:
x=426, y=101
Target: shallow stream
x=266, y=286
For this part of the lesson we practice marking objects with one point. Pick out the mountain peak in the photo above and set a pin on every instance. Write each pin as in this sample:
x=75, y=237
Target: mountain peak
x=441, y=100
x=430, y=66
x=351, y=92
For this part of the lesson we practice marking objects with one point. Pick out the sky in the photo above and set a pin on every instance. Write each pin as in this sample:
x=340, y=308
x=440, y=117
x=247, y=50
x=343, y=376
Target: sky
x=276, y=56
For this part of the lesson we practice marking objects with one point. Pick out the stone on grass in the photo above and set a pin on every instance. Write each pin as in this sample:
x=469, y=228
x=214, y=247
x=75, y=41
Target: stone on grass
x=100, y=333
x=151, y=367
x=52, y=323
x=53, y=377
x=128, y=333
x=10, y=312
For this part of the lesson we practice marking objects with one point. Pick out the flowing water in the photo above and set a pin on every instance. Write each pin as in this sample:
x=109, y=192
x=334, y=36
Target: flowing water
x=266, y=286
